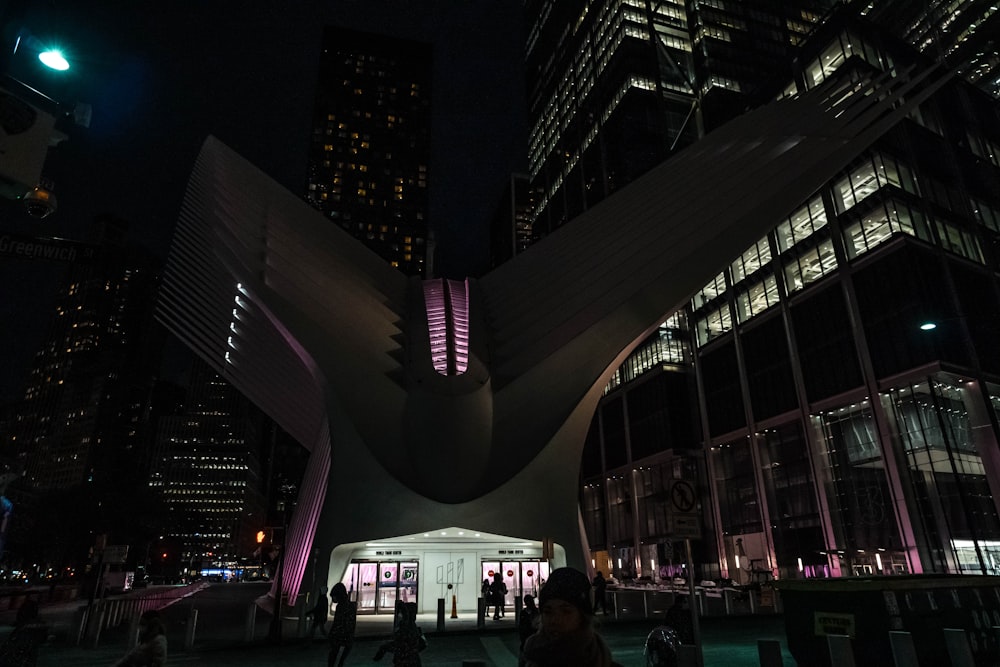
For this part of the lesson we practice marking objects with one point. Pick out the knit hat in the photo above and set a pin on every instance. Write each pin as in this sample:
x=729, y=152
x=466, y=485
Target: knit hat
x=569, y=585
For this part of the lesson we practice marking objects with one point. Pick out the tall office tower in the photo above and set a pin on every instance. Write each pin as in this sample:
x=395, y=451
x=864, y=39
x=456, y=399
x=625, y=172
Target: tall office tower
x=207, y=471
x=845, y=363
x=370, y=147
x=613, y=88
x=966, y=35
x=511, y=227
x=83, y=416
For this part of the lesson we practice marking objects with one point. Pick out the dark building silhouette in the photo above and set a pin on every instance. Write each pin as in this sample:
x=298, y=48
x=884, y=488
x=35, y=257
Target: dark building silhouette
x=370, y=148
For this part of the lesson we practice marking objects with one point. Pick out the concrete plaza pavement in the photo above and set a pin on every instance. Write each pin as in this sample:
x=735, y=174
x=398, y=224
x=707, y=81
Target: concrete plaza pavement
x=221, y=627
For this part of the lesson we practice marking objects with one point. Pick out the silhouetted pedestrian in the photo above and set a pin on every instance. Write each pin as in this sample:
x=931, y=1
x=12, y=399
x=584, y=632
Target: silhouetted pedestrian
x=527, y=624
x=600, y=593
x=678, y=617
x=566, y=634
x=21, y=647
x=151, y=651
x=498, y=589
x=407, y=640
x=319, y=614
x=345, y=620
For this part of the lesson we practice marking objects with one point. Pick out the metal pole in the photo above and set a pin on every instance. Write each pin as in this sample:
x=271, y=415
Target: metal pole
x=695, y=625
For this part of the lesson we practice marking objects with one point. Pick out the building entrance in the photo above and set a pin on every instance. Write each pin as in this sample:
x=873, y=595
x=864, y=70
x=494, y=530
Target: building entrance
x=523, y=577
x=377, y=585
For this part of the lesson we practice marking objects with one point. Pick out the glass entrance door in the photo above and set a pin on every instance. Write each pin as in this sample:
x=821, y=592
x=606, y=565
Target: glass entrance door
x=376, y=585
x=522, y=577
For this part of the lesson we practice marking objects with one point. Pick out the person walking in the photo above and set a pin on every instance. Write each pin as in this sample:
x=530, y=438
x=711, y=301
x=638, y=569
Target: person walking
x=319, y=614
x=566, y=634
x=527, y=624
x=407, y=640
x=498, y=589
x=600, y=593
x=21, y=647
x=151, y=651
x=345, y=621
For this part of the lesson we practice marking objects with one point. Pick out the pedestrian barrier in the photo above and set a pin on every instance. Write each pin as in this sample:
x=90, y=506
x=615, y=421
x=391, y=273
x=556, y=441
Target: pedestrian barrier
x=904, y=654
x=114, y=612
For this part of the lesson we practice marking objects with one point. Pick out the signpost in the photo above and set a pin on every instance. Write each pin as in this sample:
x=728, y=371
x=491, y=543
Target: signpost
x=685, y=522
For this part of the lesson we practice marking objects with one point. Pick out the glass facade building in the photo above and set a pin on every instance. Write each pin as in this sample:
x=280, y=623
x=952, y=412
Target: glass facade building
x=841, y=371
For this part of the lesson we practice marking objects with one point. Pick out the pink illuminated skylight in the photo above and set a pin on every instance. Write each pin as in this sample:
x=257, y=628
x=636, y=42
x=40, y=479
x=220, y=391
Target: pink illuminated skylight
x=447, y=303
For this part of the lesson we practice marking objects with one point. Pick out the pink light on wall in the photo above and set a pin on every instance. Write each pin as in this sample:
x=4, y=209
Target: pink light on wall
x=447, y=304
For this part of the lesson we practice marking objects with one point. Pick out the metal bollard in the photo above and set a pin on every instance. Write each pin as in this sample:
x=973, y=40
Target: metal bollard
x=904, y=653
x=440, y=618
x=727, y=598
x=192, y=624
x=959, y=650
x=251, y=623
x=133, y=632
x=97, y=625
x=769, y=652
x=481, y=613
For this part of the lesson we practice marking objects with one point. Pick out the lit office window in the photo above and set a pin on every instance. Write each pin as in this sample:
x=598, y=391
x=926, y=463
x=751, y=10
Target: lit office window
x=710, y=291
x=887, y=218
x=757, y=298
x=809, y=265
x=714, y=324
x=801, y=224
x=867, y=178
x=752, y=259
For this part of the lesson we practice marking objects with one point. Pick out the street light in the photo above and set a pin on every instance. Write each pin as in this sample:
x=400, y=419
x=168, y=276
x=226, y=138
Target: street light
x=53, y=59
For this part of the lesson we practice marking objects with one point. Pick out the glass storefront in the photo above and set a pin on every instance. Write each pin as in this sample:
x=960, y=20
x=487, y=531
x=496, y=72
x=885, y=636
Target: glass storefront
x=377, y=585
x=522, y=577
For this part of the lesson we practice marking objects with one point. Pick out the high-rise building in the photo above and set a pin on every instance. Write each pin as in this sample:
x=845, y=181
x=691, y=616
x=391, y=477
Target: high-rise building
x=207, y=471
x=845, y=373
x=83, y=414
x=614, y=88
x=966, y=35
x=81, y=432
x=370, y=148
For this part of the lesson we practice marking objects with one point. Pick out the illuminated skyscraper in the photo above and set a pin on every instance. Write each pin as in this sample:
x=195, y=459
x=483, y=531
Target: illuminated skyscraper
x=370, y=148
x=966, y=34
x=614, y=88
x=207, y=470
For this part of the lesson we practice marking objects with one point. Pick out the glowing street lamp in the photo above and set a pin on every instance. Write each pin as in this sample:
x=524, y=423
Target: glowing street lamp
x=928, y=326
x=54, y=59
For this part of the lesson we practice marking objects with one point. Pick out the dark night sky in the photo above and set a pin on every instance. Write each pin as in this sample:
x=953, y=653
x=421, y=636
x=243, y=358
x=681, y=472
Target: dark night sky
x=161, y=79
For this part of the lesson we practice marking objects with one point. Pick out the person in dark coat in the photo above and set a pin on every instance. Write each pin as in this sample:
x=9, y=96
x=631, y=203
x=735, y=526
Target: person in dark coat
x=345, y=620
x=21, y=647
x=566, y=634
x=600, y=593
x=151, y=651
x=407, y=640
x=498, y=589
x=527, y=624
x=678, y=617
x=319, y=614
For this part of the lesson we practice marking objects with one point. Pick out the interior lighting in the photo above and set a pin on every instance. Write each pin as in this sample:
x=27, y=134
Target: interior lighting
x=928, y=326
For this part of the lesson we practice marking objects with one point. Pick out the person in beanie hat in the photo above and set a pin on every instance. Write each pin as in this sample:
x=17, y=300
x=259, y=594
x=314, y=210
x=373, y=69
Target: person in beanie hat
x=566, y=634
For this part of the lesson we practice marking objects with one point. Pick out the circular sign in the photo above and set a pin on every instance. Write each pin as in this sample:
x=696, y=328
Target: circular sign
x=387, y=575
x=682, y=496
x=531, y=573
x=510, y=573
x=490, y=574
